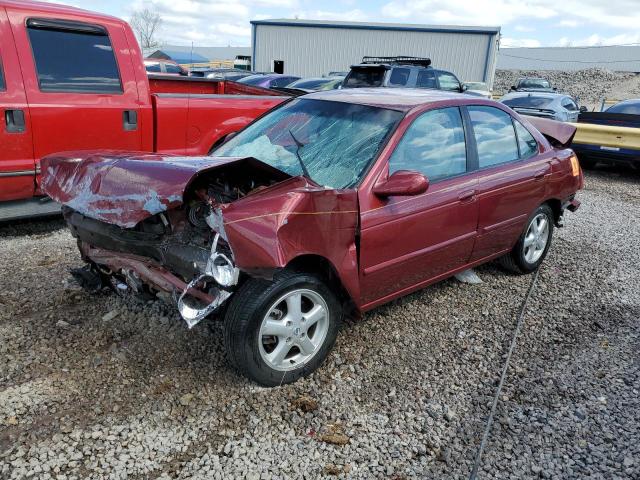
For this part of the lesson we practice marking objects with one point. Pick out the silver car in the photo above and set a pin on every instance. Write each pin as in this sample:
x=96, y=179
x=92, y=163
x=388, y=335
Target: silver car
x=554, y=106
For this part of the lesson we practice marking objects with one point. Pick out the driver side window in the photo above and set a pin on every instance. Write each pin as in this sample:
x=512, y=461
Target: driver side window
x=434, y=145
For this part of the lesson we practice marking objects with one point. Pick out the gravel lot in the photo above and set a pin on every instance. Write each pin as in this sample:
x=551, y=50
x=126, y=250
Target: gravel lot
x=106, y=387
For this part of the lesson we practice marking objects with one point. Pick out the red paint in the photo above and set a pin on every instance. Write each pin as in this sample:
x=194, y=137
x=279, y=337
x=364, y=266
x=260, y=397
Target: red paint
x=381, y=245
x=186, y=122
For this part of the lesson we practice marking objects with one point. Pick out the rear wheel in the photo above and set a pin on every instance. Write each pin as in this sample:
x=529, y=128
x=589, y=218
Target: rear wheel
x=278, y=331
x=533, y=244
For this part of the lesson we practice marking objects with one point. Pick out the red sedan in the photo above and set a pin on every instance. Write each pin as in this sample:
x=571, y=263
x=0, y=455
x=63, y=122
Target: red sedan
x=332, y=203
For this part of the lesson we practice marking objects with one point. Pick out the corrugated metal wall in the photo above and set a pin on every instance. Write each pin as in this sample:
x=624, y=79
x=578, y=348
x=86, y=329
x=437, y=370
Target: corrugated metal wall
x=618, y=58
x=312, y=51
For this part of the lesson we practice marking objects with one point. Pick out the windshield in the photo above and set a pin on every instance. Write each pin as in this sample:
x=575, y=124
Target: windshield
x=528, y=102
x=628, y=108
x=334, y=141
x=534, y=83
x=253, y=80
x=476, y=86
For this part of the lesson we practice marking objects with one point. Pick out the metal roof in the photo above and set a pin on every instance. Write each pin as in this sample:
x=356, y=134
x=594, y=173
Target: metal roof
x=287, y=22
x=623, y=58
x=206, y=53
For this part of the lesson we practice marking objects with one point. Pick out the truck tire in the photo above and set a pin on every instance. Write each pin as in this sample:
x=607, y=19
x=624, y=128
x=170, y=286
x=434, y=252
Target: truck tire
x=278, y=331
x=531, y=248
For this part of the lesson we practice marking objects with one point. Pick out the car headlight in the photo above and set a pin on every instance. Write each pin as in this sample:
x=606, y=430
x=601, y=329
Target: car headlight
x=222, y=270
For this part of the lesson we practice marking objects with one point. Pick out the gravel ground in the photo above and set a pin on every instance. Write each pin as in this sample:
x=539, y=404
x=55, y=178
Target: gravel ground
x=590, y=86
x=107, y=387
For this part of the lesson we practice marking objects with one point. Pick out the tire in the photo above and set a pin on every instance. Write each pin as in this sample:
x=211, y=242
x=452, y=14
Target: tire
x=526, y=257
x=262, y=307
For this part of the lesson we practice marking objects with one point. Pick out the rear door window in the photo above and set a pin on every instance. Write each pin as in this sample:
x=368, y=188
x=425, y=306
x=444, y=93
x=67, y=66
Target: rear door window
x=399, y=76
x=495, y=136
x=365, y=77
x=426, y=79
x=73, y=57
x=527, y=144
x=434, y=145
x=448, y=81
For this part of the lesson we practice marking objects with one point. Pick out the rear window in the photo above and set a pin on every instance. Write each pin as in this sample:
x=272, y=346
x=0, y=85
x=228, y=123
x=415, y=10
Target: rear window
x=253, y=80
x=534, y=83
x=73, y=57
x=528, y=102
x=365, y=77
x=628, y=108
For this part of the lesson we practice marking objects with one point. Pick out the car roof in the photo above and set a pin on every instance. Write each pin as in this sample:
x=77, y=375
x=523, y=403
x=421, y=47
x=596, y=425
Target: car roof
x=403, y=99
x=630, y=101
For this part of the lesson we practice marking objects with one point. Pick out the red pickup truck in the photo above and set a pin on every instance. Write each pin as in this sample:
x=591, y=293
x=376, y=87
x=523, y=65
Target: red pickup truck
x=72, y=80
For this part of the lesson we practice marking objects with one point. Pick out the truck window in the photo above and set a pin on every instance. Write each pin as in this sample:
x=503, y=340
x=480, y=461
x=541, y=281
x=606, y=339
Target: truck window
x=448, y=81
x=365, y=77
x=73, y=57
x=399, y=76
x=426, y=79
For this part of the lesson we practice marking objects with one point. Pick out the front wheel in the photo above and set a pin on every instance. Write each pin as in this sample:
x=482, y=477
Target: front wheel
x=278, y=331
x=533, y=244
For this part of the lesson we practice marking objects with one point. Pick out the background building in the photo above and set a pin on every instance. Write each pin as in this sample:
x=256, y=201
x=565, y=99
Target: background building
x=311, y=48
x=616, y=58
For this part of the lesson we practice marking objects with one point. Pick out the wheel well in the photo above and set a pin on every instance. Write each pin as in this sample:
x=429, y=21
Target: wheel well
x=556, y=206
x=323, y=267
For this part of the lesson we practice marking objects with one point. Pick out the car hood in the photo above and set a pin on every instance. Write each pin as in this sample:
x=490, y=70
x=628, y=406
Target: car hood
x=124, y=188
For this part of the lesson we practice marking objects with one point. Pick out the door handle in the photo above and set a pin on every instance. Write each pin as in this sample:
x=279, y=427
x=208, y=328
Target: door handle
x=539, y=175
x=14, y=119
x=130, y=120
x=467, y=195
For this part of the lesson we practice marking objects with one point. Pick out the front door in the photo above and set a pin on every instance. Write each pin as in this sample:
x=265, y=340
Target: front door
x=17, y=168
x=407, y=242
x=80, y=83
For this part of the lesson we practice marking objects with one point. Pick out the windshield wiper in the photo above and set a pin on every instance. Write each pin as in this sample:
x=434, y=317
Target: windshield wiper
x=299, y=145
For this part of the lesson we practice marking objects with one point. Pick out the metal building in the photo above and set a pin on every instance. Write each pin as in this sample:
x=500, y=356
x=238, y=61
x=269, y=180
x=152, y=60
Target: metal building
x=313, y=48
x=621, y=58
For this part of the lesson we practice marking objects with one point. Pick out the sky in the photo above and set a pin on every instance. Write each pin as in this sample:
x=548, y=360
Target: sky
x=525, y=23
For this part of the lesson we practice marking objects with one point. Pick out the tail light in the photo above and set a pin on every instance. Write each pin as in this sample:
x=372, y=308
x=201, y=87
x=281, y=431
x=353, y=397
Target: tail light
x=575, y=165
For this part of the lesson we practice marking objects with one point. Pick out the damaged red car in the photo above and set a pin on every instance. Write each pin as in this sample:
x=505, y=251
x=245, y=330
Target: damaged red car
x=327, y=206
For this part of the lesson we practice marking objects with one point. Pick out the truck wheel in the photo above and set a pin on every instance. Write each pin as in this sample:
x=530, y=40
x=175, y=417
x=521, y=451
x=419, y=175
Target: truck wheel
x=533, y=245
x=278, y=331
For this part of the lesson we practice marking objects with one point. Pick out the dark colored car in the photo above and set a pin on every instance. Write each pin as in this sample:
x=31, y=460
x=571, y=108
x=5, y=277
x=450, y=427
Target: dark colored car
x=400, y=72
x=317, y=84
x=619, y=146
x=268, y=80
x=531, y=84
x=293, y=223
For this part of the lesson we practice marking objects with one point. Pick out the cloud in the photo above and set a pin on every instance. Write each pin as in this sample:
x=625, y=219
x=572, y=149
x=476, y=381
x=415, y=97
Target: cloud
x=568, y=23
x=506, y=42
x=523, y=28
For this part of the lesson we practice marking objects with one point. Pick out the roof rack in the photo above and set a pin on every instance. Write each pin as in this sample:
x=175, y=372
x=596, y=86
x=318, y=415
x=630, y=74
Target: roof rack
x=420, y=61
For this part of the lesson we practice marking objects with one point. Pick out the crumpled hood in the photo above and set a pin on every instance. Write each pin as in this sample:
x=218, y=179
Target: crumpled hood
x=122, y=188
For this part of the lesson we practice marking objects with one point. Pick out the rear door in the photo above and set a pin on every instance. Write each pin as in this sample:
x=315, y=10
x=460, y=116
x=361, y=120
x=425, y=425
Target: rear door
x=407, y=242
x=17, y=167
x=511, y=178
x=79, y=81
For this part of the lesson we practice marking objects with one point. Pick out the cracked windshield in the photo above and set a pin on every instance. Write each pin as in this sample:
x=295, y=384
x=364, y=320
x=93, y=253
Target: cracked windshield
x=332, y=143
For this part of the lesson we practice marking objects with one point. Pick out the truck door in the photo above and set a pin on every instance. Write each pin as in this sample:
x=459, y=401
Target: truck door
x=17, y=168
x=79, y=81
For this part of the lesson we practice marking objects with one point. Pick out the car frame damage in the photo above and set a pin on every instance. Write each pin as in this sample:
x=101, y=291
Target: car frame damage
x=191, y=230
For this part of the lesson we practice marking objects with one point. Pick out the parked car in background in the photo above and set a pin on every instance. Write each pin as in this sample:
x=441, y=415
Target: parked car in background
x=268, y=80
x=531, y=84
x=293, y=223
x=75, y=80
x=555, y=106
x=337, y=74
x=478, y=89
x=400, y=72
x=232, y=74
x=317, y=84
x=613, y=139
x=164, y=67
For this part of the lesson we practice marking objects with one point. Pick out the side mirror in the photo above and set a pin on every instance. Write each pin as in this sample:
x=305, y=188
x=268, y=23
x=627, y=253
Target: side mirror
x=512, y=88
x=464, y=88
x=555, y=89
x=403, y=183
x=583, y=109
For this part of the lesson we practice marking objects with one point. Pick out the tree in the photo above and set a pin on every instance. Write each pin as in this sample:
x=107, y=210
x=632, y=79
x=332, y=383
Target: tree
x=146, y=23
